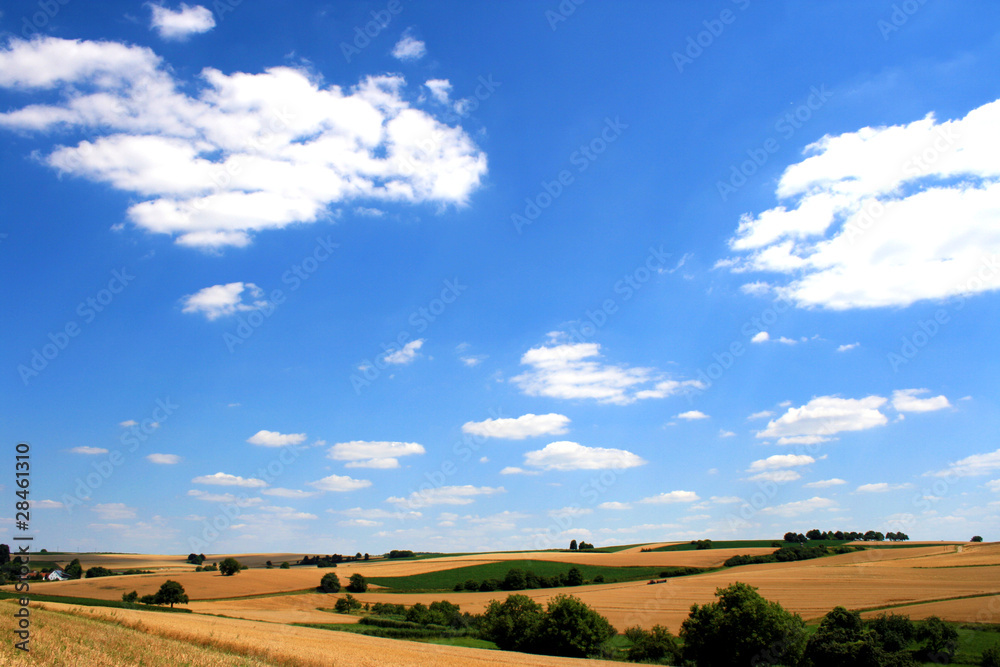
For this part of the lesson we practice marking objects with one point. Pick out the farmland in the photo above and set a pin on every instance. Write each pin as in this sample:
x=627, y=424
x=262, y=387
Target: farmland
x=257, y=607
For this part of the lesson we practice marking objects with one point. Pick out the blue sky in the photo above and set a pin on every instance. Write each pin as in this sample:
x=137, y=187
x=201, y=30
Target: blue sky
x=354, y=277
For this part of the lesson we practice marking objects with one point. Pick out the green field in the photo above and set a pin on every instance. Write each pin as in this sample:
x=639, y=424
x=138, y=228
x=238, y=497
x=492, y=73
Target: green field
x=445, y=580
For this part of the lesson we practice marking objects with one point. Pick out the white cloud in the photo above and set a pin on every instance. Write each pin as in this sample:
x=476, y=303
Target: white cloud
x=224, y=479
x=275, y=439
x=128, y=423
x=363, y=523
x=779, y=461
x=373, y=454
x=113, y=511
x=726, y=434
x=800, y=507
x=570, y=512
x=823, y=417
x=45, y=504
x=445, y=495
x=519, y=428
x=571, y=371
x=763, y=414
x=280, y=492
x=692, y=415
x=409, y=48
x=406, y=354
x=993, y=485
x=440, y=89
x=240, y=501
x=884, y=216
x=287, y=147
x=90, y=451
x=221, y=300
x=180, y=24
x=908, y=400
x=880, y=487
x=672, y=497
x=612, y=505
x=970, y=466
x=726, y=500
x=514, y=470
x=565, y=455
x=377, y=513
x=847, y=346
x=340, y=484
x=824, y=483
x=760, y=337
x=163, y=459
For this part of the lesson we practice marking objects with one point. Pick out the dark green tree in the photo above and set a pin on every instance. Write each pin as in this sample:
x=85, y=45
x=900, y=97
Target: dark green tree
x=285, y=566
x=991, y=657
x=572, y=545
x=357, y=584
x=574, y=577
x=171, y=593
x=742, y=628
x=229, y=567
x=571, y=628
x=654, y=646
x=940, y=640
x=330, y=583
x=514, y=580
x=130, y=598
x=74, y=570
x=5, y=553
x=514, y=623
x=975, y=538
x=98, y=571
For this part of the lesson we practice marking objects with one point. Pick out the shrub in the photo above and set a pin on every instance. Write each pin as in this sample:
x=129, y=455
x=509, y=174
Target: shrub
x=130, y=598
x=742, y=628
x=285, y=566
x=940, y=640
x=991, y=657
x=490, y=585
x=357, y=584
x=98, y=571
x=571, y=628
x=574, y=577
x=656, y=645
x=514, y=580
x=347, y=604
x=330, y=583
x=513, y=624
x=229, y=567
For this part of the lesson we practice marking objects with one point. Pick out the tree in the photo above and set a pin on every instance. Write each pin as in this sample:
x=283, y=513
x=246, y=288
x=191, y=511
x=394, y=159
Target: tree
x=975, y=538
x=330, y=583
x=130, y=598
x=357, y=584
x=98, y=571
x=5, y=554
x=515, y=580
x=347, y=604
x=574, y=577
x=570, y=628
x=285, y=566
x=742, y=628
x=74, y=570
x=269, y=565
x=513, y=624
x=586, y=545
x=229, y=567
x=572, y=545
x=171, y=592
x=940, y=640
x=471, y=585
x=654, y=646
x=991, y=657
x=814, y=534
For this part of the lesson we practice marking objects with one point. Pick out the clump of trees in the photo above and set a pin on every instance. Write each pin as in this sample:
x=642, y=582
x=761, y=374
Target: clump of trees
x=573, y=546
x=230, y=566
x=330, y=583
x=782, y=555
x=843, y=638
x=171, y=593
x=347, y=604
x=399, y=553
x=517, y=579
x=329, y=560
x=566, y=627
x=848, y=536
x=196, y=559
x=98, y=571
x=976, y=538
x=357, y=583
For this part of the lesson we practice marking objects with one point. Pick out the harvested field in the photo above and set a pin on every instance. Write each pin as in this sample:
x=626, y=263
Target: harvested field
x=969, y=610
x=307, y=647
x=303, y=608
x=968, y=555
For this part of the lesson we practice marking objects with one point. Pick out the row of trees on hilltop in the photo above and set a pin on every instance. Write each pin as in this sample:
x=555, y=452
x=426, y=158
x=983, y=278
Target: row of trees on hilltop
x=583, y=546
x=850, y=536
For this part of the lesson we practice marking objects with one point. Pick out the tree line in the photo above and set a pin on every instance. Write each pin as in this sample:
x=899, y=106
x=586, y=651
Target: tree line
x=848, y=536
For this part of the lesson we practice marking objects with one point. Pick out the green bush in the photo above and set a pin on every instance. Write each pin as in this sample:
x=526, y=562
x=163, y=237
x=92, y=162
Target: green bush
x=570, y=628
x=347, y=604
x=357, y=584
x=991, y=657
x=513, y=624
x=656, y=645
x=330, y=583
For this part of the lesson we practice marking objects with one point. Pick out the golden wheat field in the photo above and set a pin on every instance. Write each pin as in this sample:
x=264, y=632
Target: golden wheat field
x=264, y=643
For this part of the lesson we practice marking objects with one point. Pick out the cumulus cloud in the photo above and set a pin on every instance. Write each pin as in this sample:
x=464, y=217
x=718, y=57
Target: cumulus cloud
x=241, y=152
x=377, y=513
x=128, y=423
x=763, y=414
x=274, y=439
x=672, y=497
x=572, y=371
x=760, y=337
x=823, y=417
x=239, y=501
x=221, y=300
x=46, y=504
x=970, y=466
x=180, y=24
x=163, y=459
x=405, y=354
x=280, y=492
x=908, y=400
x=409, y=48
x=565, y=455
x=515, y=470
x=800, y=507
x=440, y=89
x=692, y=415
x=776, y=476
x=883, y=216
x=224, y=479
x=570, y=511
x=89, y=451
x=340, y=484
x=445, y=495
x=847, y=347
x=113, y=511
x=613, y=505
x=825, y=483
x=880, y=487
x=519, y=428
x=373, y=454
x=779, y=461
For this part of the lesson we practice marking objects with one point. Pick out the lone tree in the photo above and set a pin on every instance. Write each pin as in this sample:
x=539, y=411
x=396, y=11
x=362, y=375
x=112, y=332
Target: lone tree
x=571, y=628
x=357, y=584
x=975, y=538
x=74, y=570
x=171, y=592
x=513, y=624
x=572, y=545
x=742, y=628
x=229, y=567
x=330, y=583
x=4, y=554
